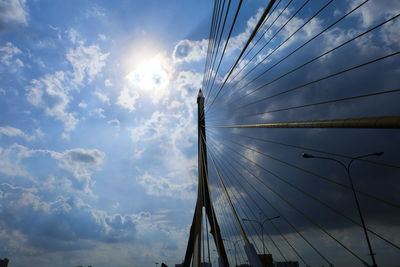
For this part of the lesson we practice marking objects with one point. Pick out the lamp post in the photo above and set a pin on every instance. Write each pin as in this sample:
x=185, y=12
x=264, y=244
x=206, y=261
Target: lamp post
x=156, y=264
x=261, y=224
x=347, y=168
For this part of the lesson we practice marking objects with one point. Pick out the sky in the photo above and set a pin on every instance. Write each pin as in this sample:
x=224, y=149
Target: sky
x=98, y=125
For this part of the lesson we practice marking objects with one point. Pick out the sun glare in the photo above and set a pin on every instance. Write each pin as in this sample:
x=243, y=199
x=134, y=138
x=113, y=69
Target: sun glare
x=150, y=76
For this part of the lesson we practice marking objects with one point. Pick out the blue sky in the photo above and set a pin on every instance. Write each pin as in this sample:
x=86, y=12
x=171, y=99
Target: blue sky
x=97, y=130
x=98, y=134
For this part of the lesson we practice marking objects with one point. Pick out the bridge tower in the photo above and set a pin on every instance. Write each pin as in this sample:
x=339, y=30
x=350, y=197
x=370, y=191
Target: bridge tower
x=193, y=250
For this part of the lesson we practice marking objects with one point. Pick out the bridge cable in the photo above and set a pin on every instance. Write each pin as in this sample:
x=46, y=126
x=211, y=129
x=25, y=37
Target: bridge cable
x=312, y=60
x=291, y=35
x=254, y=229
x=226, y=43
x=267, y=9
x=318, y=80
x=215, y=47
x=250, y=196
x=301, y=46
x=216, y=54
x=307, y=217
x=263, y=34
x=258, y=39
x=209, y=43
x=223, y=222
x=223, y=218
x=318, y=175
x=229, y=200
x=224, y=169
x=317, y=150
x=382, y=122
x=323, y=102
x=212, y=209
x=272, y=37
x=261, y=210
x=290, y=224
x=221, y=193
x=285, y=181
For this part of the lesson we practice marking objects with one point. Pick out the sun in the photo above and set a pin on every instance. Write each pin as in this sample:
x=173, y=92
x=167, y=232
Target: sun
x=150, y=76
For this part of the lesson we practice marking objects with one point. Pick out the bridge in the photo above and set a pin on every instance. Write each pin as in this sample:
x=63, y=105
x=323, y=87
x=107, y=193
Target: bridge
x=298, y=142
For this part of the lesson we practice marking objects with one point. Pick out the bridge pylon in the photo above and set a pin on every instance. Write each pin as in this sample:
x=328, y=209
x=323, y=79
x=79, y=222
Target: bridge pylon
x=193, y=250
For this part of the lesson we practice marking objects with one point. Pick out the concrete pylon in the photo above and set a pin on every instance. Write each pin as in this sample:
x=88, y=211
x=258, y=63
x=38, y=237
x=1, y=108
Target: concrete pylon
x=193, y=250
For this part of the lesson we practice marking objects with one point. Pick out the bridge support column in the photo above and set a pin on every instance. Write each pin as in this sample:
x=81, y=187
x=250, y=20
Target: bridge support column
x=203, y=200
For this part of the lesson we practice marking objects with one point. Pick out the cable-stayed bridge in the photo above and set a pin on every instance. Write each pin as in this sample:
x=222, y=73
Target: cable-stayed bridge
x=298, y=136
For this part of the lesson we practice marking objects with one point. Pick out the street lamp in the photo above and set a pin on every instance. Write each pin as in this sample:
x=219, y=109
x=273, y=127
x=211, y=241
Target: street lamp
x=156, y=264
x=261, y=224
x=347, y=168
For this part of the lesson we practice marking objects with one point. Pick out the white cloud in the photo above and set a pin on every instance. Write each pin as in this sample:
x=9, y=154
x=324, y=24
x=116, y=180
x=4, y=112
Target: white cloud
x=12, y=11
x=252, y=155
x=7, y=53
x=102, y=36
x=39, y=133
x=19, y=62
x=172, y=132
x=81, y=163
x=152, y=128
x=2, y=91
x=238, y=41
x=65, y=136
x=82, y=105
x=310, y=29
x=95, y=11
x=386, y=37
x=100, y=112
x=187, y=51
x=13, y=132
x=51, y=94
x=87, y=62
x=114, y=123
x=175, y=104
x=10, y=160
x=73, y=36
x=57, y=225
x=390, y=34
x=103, y=98
x=52, y=223
x=127, y=98
x=57, y=29
x=138, y=153
x=337, y=13
x=107, y=83
x=160, y=186
x=186, y=81
x=375, y=10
